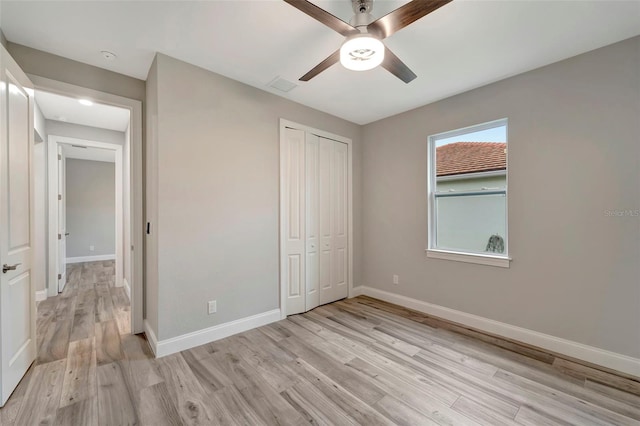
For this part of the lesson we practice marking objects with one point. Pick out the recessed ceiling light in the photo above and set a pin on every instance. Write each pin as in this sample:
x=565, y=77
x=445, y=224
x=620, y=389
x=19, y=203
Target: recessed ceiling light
x=109, y=56
x=85, y=102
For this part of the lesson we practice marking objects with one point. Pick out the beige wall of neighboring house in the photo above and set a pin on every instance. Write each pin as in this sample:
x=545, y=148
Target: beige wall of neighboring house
x=213, y=170
x=467, y=223
x=573, y=156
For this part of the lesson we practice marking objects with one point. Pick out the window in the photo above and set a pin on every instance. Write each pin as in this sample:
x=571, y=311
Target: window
x=467, y=186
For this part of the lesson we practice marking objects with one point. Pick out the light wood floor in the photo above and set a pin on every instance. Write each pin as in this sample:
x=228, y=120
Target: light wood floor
x=358, y=361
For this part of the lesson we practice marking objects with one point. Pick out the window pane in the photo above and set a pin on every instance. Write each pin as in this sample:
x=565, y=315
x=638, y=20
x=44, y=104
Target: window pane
x=474, y=223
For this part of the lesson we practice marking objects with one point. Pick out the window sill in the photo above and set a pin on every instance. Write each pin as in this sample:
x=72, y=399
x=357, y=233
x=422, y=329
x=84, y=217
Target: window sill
x=480, y=259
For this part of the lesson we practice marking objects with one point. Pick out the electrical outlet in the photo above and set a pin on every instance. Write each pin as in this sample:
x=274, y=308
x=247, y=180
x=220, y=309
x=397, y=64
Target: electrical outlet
x=396, y=280
x=213, y=306
x=92, y=248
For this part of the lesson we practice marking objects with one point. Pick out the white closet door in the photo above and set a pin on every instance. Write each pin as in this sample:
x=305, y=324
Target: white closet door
x=292, y=266
x=333, y=220
x=312, y=222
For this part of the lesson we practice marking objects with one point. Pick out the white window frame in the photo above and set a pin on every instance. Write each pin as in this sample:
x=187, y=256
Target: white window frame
x=501, y=260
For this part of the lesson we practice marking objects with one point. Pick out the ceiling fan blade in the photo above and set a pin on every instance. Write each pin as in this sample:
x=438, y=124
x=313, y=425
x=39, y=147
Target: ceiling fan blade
x=323, y=16
x=403, y=16
x=334, y=58
x=395, y=66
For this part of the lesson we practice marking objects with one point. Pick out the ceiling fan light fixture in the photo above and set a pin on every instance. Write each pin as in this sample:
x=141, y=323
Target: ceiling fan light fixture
x=361, y=52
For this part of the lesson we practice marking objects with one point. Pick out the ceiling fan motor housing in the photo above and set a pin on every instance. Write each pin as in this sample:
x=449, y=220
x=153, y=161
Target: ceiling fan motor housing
x=362, y=14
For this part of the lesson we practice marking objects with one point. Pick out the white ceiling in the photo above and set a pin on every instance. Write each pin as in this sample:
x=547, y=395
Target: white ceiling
x=94, y=154
x=465, y=44
x=63, y=108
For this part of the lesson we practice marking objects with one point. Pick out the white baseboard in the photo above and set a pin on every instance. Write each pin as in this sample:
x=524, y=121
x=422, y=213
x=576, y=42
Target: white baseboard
x=127, y=287
x=187, y=341
x=91, y=258
x=604, y=358
x=356, y=291
x=41, y=295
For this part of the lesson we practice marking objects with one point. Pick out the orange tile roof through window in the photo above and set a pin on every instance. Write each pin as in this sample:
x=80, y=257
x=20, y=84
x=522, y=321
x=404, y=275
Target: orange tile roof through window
x=470, y=157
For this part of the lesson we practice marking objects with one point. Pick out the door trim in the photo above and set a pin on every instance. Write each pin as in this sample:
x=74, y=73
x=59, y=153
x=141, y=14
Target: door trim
x=283, y=226
x=52, y=166
x=136, y=189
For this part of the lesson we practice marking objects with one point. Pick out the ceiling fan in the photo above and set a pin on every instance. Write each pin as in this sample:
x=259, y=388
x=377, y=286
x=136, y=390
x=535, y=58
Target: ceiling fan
x=363, y=48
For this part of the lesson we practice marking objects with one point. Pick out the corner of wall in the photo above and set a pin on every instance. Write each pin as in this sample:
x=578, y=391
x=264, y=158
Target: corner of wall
x=3, y=39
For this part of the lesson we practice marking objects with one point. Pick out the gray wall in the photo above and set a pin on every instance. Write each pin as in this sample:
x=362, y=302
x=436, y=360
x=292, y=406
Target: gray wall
x=217, y=148
x=70, y=130
x=151, y=199
x=573, y=155
x=91, y=207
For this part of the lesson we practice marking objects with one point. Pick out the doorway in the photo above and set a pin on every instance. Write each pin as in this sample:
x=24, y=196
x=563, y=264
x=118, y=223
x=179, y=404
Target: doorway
x=86, y=212
x=77, y=140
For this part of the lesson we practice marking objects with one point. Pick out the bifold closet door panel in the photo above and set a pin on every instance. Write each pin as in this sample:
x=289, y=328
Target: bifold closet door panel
x=340, y=206
x=325, y=151
x=333, y=220
x=294, y=216
x=312, y=222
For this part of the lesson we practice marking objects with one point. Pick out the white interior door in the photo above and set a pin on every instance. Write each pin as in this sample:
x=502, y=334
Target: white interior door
x=333, y=169
x=17, y=291
x=62, y=220
x=292, y=211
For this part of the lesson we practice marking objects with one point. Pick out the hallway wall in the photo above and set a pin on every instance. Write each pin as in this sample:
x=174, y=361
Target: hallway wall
x=91, y=208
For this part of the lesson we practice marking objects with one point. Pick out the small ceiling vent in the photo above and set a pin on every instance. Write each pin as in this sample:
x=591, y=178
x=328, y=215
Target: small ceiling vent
x=282, y=85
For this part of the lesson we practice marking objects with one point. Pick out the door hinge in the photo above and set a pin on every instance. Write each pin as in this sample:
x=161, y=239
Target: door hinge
x=59, y=197
x=59, y=157
x=59, y=236
x=59, y=276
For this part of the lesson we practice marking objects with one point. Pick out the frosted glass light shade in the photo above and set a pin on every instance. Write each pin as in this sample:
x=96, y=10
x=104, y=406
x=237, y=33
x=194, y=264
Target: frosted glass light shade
x=362, y=52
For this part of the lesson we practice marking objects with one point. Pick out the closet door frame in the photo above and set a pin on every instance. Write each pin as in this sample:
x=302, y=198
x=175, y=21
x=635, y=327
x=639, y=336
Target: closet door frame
x=284, y=124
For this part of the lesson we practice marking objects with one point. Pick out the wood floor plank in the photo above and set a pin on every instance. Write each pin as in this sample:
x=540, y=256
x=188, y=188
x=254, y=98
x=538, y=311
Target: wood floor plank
x=357, y=410
x=155, y=406
x=269, y=404
x=138, y=368
x=187, y=394
x=529, y=416
x=42, y=396
x=421, y=398
x=83, y=412
x=400, y=413
x=481, y=413
x=107, y=341
x=115, y=403
x=358, y=384
x=314, y=407
x=80, y=374
x=237, y=407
